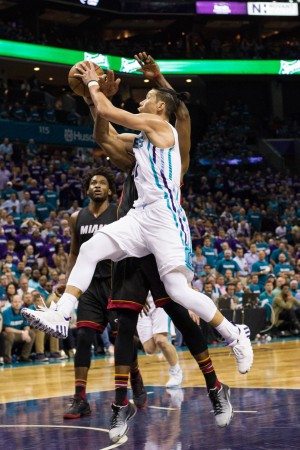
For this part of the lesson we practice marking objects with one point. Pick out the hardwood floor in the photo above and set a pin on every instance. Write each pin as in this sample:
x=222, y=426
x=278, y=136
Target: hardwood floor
x=276, y=365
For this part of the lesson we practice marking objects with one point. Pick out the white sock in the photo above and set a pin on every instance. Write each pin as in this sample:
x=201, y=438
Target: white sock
x=66, y=304
x=175, y=368
x=228, y=331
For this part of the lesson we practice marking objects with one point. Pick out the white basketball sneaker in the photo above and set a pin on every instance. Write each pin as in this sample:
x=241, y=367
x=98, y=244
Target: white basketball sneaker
x=175, y=380
x=242, y=349
x=48, y=320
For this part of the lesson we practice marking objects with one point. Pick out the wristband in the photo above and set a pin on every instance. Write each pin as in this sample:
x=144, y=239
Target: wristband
x=92, y=83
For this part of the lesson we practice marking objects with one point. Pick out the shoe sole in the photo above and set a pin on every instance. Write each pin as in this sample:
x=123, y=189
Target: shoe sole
x=117, y=438
x=60, y=332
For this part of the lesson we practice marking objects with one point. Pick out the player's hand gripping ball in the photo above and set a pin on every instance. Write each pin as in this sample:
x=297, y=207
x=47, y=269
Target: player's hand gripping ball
x=76, y=84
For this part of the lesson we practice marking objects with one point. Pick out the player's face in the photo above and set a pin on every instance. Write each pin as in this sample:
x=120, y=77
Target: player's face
x=98, y=189
x=149, y=104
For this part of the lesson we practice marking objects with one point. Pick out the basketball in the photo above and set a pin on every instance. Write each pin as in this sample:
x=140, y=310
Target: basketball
x=77, y=86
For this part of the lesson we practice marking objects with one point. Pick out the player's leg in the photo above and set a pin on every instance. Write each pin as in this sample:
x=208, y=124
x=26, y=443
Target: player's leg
x=219, y=393
x=126, y=285
x=236, y=336
x=91, y=317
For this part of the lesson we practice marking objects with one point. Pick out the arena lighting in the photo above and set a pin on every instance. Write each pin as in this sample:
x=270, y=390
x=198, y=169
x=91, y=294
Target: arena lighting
x=33, y=52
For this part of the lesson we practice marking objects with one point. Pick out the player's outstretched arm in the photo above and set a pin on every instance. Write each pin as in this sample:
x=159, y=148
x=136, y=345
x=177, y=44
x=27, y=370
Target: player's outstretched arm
x=151, y=70
x=149, y=123
x=117, y=147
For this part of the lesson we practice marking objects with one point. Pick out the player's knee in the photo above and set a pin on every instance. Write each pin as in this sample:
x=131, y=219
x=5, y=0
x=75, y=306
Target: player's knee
x=150, y=347
x=161, y=341
x=85, y=337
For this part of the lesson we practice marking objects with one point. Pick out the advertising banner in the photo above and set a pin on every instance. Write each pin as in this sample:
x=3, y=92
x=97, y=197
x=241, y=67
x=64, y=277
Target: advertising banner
x=224, y=8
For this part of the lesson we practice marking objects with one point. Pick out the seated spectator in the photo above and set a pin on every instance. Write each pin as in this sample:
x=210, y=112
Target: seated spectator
x=24, y=286
x=221, y=284
x=251, y=256
x=40, y=337
x=230, y=294
x=43, y=208
x=10, y=228
x=266, y=299
x=17, y=331
x=34, y=115
x=274, y=258
x=26, y=201
x=287, y=311
x=254, y=285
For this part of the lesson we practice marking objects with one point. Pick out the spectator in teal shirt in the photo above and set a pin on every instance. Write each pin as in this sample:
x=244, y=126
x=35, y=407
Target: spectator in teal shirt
x=209, y=252
x=254, y=286
x=51, y=196
x=254, y=218
x=261, y=268
x=228, y=263
x=17, y=331
x=283, y=267
x=274, y=258
x=266, y=299
x=43, y=209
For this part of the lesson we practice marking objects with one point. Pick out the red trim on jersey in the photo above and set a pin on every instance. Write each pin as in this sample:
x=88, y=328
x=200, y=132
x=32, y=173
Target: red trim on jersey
x=88, y=324
x=161, y=302
x=124, y=304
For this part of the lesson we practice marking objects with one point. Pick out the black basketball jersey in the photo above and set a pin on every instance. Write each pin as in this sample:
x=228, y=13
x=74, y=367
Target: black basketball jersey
x=129, y=195
x=87, y=225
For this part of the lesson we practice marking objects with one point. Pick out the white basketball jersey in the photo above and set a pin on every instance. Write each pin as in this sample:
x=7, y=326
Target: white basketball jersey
x=157, y=171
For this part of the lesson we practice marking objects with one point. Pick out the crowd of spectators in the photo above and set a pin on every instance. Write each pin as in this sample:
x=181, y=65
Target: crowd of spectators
x=244, y=218
x=236, y=45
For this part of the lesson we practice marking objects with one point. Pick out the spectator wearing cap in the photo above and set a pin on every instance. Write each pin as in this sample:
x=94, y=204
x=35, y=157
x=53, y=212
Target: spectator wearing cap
x=9, y=227
x=50, y=250
x=295, y=289
x=7, y=191
x=12, y=201
x=22, y=239
x=283, y=267
x=43, y=208
x=261, y=268
x=228, y=263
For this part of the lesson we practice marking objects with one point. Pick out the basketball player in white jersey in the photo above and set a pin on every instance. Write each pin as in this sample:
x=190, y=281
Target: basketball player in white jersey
x=156, y=224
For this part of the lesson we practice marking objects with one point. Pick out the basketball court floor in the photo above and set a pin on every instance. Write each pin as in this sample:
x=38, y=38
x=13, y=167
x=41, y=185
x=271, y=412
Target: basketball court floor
x=266, y=403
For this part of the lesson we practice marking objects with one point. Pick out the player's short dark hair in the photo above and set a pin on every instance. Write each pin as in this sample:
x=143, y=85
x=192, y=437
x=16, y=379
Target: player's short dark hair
x=101, y=170
x=171, y=98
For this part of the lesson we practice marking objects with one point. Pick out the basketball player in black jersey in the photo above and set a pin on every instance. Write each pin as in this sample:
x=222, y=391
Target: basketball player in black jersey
x=92, y=316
